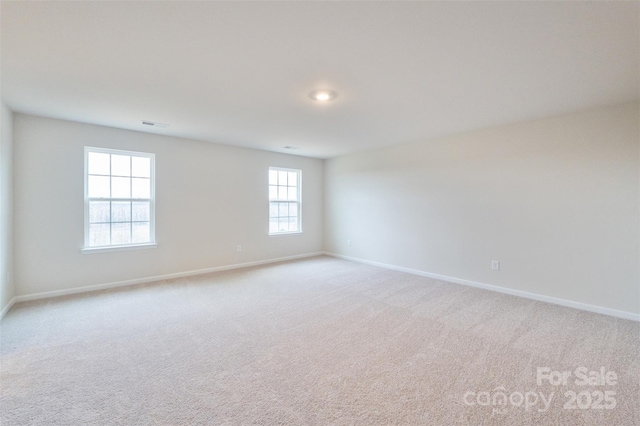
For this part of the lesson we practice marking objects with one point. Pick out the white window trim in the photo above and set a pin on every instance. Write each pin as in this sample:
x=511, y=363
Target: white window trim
x=86, y=249
x=102, y=249
x=299, y=201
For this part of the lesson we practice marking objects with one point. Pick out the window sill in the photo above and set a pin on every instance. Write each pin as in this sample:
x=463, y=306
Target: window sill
x=91, y=250
x=279, y=234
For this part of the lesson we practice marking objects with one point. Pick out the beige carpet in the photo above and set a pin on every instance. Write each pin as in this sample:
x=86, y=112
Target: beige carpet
x=318, y=341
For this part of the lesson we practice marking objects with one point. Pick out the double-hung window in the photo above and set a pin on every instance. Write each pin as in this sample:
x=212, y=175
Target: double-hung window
x=285, y=213
x=119, y=199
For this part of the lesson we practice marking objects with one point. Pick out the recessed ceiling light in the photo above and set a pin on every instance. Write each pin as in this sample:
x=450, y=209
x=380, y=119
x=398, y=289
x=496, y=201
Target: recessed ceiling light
x=323, y=95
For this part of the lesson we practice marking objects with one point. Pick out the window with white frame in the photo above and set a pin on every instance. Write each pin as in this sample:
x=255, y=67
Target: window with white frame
x=284, y=201
x=119, y=198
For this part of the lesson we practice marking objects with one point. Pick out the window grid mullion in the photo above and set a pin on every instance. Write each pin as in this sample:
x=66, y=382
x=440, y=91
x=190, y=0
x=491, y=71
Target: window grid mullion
x=134, y=200
x=285, y=186
x=110, y=199
x=131, y=202
x=110, y=202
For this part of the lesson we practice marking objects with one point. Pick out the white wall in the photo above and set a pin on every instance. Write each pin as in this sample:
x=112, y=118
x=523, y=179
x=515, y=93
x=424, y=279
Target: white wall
x=555, y=200
x=6, y=206
x=209, y=198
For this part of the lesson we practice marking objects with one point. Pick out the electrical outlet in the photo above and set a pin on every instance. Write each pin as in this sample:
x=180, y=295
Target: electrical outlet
x=349, y=243
x=238, y=247
x=495, y=264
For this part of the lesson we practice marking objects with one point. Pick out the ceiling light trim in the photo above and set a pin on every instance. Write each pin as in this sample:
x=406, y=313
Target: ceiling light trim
x=323, y=95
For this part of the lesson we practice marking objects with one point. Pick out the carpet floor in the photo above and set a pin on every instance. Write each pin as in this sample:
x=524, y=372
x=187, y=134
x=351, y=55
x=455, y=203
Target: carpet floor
x=314, y=342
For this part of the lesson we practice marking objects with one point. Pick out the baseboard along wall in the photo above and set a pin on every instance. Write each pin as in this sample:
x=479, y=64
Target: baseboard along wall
x=106, y=286
x=539, y=297
x=519, y=293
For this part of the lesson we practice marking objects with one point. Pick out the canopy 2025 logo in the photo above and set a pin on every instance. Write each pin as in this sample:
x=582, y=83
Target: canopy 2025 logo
x=599, y=399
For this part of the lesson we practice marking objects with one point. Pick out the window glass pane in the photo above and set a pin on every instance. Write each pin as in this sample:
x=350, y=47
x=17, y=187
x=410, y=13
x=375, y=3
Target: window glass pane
x=120, y=211
x=283, y=209
x=283, y=224
x=284, y=215
x=293, y=179
x=141, y=232
x=109, y=178
x=120, y=165
x=141, y=167
x=140, y=188
x=282, y=193
x=293, y=209
x=273, y=209
x=273, y=177
x=293, y=193
x=140, y=211
x=121, y=233
x=99, y=211
x=282, y=178
x=120, y=187
x=98, y=163
x=99, y=187
x=99, y=235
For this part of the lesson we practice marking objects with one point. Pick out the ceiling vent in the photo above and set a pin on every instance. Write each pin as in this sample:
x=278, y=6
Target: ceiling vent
x=154, y=124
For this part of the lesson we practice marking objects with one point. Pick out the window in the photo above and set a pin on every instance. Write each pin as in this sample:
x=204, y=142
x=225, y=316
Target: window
x=119, y=198
x=284, y=201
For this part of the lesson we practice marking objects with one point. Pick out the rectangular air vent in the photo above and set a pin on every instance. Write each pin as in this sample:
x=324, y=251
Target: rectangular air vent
x=154, y=124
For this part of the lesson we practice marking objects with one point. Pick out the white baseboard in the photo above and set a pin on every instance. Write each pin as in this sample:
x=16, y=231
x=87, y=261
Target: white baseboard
x=512, y=292
x=519, y=293
x=65, y=292
x=6, y=308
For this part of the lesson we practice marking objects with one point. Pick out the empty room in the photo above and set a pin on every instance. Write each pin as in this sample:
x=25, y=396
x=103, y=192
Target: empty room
x=319, y=213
